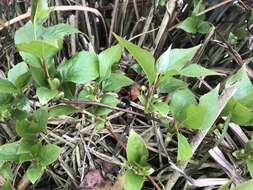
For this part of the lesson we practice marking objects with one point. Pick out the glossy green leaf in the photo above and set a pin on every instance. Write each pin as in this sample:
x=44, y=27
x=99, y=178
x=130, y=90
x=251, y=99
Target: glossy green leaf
x=133, y=181
x=45, y=94
x=41, y=48
x=107, y=58
x=194, y=70
x=210, y=100
x=137, y=151
x=162, y=108
x=40, y=116
x=34, y=172
x=48, y=154
x=179, y=101
x=245, y=186
x=240, y=113
x=58, y=31
x=61, y=110
x=194, y=116
x=164, y=61
x=176, y=59
x=108, y=100
x=17, y=71
x=143, y=57
x=25, y=35
x=7, y=87
x=169, y=85
x=245, y=86
x=241, y=104
x=190, y=24
x=8, y=152
x=39, y=76
x=184, y=148
x=116, y=81
x=80, y=69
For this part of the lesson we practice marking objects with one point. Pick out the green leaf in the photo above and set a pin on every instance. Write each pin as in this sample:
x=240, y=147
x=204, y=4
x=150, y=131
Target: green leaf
x=40, y=11
x=210, y=100
x=69, y=89
x=137, y=151
x=27, y=130
x=194, y=116
x=107, y=58
x=169, y=85
x=116, y=81
x=39, y=76
x=44, y=49
x=198, y=6
x=204, y=27
x=25, y=35
x=164, y=61
x=48, y=154
x=190, y=24
x=245, y=86
x=163, y=108
x=245, y=186
x=45, y=94
x=179, y=101
x=143, y=57
x=194, y=70
x=6, y=172
x=17, y=71
x=240, y=113
x=88, y=94
x=250, y=167
x=176, y=59
x=34, y=173
x=60, y=110
x=8, y=152
x=108, y=100
x=184, y=148
x=133, y=181
x=58, y=31
x=32, y=146
x=40, y=116
x=7, y=87
x=80, y=69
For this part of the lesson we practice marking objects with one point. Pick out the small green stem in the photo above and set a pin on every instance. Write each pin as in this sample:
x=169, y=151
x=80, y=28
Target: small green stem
x=151, y=94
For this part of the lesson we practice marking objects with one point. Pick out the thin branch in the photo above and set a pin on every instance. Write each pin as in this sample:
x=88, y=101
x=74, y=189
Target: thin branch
x=91, y=103
x=56, y=8
x=114, y=13
x=214, y=7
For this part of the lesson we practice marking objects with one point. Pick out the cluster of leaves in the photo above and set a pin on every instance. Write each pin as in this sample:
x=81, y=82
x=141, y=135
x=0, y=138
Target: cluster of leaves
x=38, y=45
x=183, y=104
x=195, y=24
x=100, y=80
x=137, y=166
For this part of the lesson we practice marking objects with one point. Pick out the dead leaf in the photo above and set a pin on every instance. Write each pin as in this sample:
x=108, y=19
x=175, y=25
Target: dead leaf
x=119, y=185
x=135, y=91
x=94, y=180
x=108, y=167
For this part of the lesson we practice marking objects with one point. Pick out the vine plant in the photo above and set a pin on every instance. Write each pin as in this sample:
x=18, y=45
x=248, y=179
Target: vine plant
x=101, y=80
